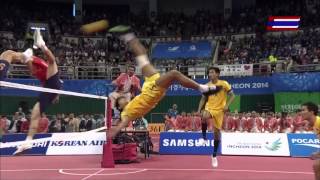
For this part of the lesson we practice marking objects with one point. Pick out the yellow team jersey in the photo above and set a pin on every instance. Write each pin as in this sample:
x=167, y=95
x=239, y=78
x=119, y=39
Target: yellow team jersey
x=316, y=126
x=150, y=95
x=218, y=101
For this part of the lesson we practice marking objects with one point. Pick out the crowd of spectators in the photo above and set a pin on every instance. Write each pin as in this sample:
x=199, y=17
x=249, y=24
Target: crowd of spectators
x=250, y=122
x=300, y=48
x=19, y=123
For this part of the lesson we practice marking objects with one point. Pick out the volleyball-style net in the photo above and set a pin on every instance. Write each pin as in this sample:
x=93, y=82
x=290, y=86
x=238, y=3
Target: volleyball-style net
x=79, y=107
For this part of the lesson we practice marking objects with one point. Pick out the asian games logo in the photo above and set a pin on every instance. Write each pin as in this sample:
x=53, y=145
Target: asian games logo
x=274, y=146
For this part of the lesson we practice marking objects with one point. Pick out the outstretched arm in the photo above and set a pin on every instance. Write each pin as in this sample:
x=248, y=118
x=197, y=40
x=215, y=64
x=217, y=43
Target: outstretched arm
x=231, y=98
x=202, y=103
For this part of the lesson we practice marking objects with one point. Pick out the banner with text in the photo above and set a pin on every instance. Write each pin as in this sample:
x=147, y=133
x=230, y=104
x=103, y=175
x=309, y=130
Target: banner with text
x=259, y=144
x=155, y=128
x=236, y=70
x=244, y=85
x=186, y=49
x=184, y=143
x=291, y=101
x=59, y=144
x=303, y=145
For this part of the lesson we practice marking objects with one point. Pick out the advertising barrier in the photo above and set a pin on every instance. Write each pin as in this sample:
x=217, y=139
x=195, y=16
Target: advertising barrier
x=303, y=145
x=184, y=143
x=59, y=144
x=260, y=144
x=249, y=144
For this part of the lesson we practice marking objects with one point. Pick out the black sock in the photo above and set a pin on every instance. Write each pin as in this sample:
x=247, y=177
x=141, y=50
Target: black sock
x=216, y=144
x=204, y=130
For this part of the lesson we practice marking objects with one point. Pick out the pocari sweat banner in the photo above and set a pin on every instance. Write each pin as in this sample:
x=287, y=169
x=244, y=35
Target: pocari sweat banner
x=303, y=145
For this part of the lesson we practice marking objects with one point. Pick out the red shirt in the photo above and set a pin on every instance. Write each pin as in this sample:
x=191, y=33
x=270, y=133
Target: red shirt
x=40, y=68
x=240, y=123
x=43, y=125
x=249, y=124
x=271, y=124
x=259, y=124
x=298, y=123
x=25, y=126
x=126, y=84
x=170, y=122
x=229, y=123
x=197, y=123
x=181, y=122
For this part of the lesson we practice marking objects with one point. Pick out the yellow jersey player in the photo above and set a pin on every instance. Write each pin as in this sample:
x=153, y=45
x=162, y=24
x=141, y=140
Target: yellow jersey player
x=155, y=85
x=213, y=107
x=309, y=112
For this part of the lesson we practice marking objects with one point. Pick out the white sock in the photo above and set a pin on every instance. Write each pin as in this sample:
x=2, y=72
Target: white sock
x=128, y=37
x=203, y=88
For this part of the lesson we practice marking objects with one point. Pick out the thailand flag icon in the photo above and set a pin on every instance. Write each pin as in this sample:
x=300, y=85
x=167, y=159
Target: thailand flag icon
x=283, y=23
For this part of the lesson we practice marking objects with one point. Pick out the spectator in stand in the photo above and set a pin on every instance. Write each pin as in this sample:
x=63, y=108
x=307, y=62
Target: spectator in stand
x=299, y=123
x=13, y=125
x=72, y=123
x=271, y=124
x=286, y=123
x=181, y=122
x=55, y=125
x=196, y=122
x=257, y=123
x=3, y=123
x=100, y=121
x=85, y=124
x=43, y=124
x=94, y=122
x=25, y=124
x=21, y=112
x=247, y=123
x=188, y=122
x=240, y=122
x=21, y=119
x=127, y=85
x=229, y=122
x=169, y=123
x=173, y=112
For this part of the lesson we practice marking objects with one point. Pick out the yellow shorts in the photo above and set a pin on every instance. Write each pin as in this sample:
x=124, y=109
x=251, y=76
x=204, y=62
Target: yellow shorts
x=150, y=95
x=217, y=117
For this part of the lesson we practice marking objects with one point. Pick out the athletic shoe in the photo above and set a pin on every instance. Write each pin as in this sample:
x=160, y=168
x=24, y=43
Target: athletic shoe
x=22, y=148
x=212, y=90
x=38, y=41
x=202, y=141
x=214, y=162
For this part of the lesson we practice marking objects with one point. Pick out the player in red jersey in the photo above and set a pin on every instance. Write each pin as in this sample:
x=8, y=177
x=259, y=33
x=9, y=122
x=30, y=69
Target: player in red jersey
x=47, y=73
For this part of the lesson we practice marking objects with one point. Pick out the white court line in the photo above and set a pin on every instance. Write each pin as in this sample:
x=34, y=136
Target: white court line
x=90, y=175
x=62, y=171
x=165, y=169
